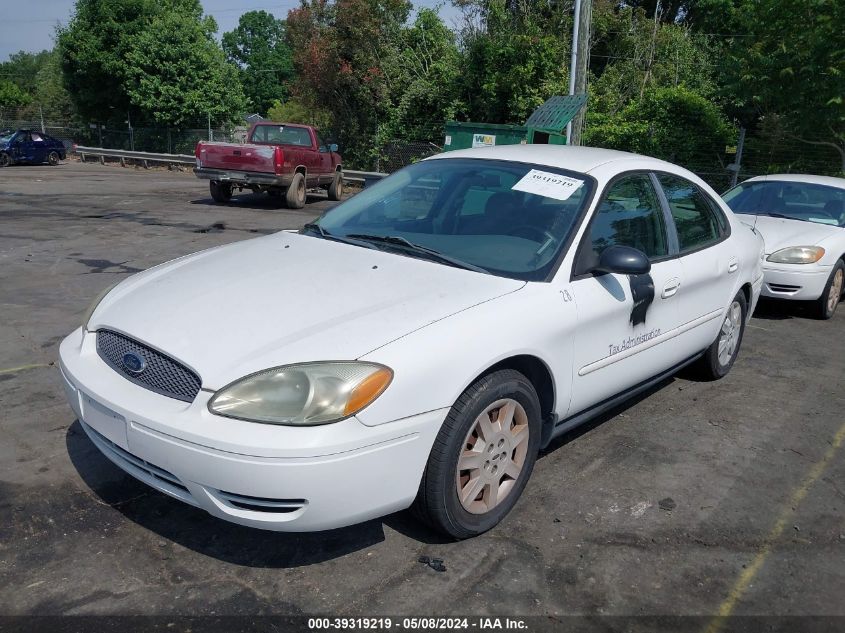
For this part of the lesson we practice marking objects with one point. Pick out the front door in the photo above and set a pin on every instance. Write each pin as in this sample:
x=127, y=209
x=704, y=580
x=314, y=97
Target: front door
x=624, y=322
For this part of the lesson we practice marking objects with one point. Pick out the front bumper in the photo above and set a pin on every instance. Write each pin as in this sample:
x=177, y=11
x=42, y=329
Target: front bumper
x=272, y=477
x=801, y=282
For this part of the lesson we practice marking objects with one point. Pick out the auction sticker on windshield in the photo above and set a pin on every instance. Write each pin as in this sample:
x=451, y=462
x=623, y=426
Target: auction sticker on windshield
x=545, y=183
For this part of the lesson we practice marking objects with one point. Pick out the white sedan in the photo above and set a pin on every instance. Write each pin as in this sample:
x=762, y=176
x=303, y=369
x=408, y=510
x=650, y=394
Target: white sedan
x=418, y=344
x=802, y=220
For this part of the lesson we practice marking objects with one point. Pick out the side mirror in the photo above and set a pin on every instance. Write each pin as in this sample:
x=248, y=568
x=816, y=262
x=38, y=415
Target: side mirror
x=623, y=260
x=333, y=147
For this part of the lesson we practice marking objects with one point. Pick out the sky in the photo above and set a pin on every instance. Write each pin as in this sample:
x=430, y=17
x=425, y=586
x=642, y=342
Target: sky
x=29, y=26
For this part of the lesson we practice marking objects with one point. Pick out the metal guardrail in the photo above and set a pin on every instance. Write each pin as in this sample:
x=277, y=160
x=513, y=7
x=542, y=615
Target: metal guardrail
x=363, y=178
x=142, y=157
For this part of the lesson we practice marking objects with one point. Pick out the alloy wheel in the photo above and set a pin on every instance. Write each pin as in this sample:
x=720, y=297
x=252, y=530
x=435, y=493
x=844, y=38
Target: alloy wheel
x=729, y=336
x=835, y=291
x=493, y=456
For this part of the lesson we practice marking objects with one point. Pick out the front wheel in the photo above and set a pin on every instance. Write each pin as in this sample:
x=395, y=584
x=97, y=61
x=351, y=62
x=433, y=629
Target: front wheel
x=5, y=159
x=720, y=356
x=53, y=159
x=826, y=304
x=220, y=191
x=482, y=457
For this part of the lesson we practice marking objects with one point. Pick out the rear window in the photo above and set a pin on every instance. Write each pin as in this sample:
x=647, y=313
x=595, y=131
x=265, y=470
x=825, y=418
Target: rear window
x=281, y=135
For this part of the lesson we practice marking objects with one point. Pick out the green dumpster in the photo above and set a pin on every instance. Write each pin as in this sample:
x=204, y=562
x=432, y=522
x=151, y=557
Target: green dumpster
x=546, y=126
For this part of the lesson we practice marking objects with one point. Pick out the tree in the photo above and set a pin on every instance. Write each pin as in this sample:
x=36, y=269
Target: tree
x=11, y=96
x=176, y=73
x=792, y=66
x=515, y=57
x=675, y=124
x=258, y=47
x=342, y=55
x=104, y=59
x=22, y=69
x=294, y=111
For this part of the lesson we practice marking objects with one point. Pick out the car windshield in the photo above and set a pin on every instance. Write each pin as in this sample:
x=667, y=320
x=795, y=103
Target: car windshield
x=805, y=201
x=5, y=137
x=499, y=217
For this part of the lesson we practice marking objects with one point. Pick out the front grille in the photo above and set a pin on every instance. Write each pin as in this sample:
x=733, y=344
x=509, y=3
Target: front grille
x=160, y=373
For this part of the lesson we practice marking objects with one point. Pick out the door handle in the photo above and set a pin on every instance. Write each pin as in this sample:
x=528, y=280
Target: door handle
x=670, y=288
x=733, y=265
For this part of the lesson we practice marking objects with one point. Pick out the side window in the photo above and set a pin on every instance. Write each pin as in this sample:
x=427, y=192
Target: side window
x=630, y=215
x=696, y=220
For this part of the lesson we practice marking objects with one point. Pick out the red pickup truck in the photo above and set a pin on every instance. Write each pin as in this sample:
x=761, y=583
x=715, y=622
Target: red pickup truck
x=277, y=158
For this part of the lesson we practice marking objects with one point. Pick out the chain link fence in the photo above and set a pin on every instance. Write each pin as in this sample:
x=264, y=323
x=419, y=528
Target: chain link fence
x=127, y=136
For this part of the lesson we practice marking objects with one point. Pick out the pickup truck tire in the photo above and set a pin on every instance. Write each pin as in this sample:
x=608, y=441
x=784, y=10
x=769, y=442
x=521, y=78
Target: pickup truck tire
x=336, y=188
x=220, y=191
x=295, y=197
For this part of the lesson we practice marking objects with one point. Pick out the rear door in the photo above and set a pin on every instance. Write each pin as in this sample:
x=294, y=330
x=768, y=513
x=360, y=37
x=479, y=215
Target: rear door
x=709, y=263
x=623, y=321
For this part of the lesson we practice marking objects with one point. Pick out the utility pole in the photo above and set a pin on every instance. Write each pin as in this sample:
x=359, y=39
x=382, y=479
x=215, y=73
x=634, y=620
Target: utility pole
x=579, y=65
x=738, y=163
x=210, y=137
x=41, y=111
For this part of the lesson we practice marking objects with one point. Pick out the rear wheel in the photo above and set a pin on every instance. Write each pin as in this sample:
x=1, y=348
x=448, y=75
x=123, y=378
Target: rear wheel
x=336, y=188
x=295, y=197
x=482, y=457
x=53, y=158
x=826, y=304
x=720, y=356
x=220, y=191
x=5, y=159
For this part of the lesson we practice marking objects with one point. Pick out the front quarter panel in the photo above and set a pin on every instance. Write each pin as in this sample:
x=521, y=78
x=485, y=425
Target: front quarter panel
x=435, y=364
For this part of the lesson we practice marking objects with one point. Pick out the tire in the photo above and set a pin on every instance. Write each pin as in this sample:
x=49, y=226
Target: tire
x=505, y=393
x=295, y=196
x=336, y=188
x=53, y=159
x=220, y=191
x=5, y=159
x=715, y=365
x=825, y=306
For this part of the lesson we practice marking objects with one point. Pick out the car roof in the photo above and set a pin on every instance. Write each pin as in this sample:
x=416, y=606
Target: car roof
x=574, y=158
x=830, y=181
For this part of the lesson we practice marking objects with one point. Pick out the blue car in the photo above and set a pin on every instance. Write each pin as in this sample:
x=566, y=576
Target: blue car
x=30, y=146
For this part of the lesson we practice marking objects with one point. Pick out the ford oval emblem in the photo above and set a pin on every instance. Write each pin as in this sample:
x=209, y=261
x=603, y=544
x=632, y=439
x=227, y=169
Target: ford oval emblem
x=133, y=363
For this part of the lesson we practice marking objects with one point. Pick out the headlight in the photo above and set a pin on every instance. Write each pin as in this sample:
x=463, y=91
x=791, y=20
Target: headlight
x=797, y=255
x=87, y=316
x=304, y=394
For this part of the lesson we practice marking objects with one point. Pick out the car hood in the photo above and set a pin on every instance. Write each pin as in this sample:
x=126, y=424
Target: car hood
x=781, y=233
x=236, y=309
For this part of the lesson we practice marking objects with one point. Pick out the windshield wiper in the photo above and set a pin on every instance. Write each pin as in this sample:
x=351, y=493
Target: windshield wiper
x=787, y=217
x=313, y=227
x=425, y=251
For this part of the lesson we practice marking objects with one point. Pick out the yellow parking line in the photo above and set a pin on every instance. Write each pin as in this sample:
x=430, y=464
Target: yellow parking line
x=14, y=370
x=744, y=580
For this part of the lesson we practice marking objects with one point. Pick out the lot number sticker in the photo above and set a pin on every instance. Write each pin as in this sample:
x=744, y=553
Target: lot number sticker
x=544, y=183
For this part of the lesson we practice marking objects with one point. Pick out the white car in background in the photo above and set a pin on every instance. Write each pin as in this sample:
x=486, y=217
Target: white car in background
x=418, y=344
x=802, y=221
